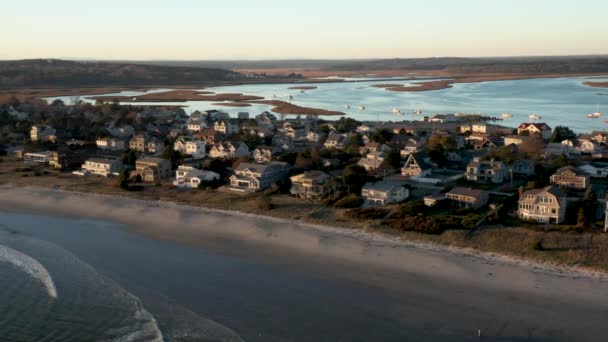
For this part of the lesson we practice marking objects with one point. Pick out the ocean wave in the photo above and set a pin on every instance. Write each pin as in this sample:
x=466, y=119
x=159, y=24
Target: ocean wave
x=30, y=266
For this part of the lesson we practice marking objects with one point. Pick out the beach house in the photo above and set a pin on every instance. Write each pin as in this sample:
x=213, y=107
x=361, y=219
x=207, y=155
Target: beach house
x=152, y=169
x=383, y=193
x=546, y=205
x=250, y=177
x=102, y=166
x=571, y=177
x=310, y=185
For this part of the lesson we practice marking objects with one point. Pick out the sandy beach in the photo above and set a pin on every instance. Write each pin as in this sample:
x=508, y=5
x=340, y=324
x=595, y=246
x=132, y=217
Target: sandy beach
x=505, y=297
x=180, y=223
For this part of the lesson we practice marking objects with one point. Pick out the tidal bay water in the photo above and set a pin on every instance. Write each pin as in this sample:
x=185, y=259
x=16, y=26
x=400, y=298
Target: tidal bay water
x=559, y=101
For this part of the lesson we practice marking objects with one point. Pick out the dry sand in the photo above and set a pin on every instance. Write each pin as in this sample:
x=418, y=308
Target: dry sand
x=167, y=220
x=437, y=287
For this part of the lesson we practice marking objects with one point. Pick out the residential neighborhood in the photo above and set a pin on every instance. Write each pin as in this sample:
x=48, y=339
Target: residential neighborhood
x=457, y=165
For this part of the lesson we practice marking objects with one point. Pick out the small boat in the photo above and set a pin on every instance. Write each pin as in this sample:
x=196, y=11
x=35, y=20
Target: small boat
x=594, y=115
x=361, y=107
x=507, y=115
x=533, y=117
x=396, y=111
x=347, y=106
x=418, y=112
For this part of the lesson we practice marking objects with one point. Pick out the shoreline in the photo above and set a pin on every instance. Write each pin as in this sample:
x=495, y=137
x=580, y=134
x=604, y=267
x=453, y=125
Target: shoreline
x=596, y=84
x=53, y=208
x=92, y=91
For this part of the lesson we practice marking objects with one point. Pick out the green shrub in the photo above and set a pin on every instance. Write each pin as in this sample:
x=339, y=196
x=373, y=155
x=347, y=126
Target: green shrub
x=470, y=221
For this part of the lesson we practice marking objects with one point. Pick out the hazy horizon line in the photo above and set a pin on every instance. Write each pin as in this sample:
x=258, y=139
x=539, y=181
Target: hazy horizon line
x=295, y=58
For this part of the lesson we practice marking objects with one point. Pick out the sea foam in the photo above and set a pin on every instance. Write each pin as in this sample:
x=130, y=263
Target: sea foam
x=30, y=266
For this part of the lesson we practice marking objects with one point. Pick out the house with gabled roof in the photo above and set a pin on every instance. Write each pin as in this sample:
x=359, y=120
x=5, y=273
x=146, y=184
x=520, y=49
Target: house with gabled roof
x=102, y=166
x=547, y=205
x=335, y=140
x=535, y=127
x=152, y=169
x=225, y=127
x=417, y=164
x=487, y=171
x=229, y=150
x=249, y=177
x=383, y=193
x=373, y=162
x=373, y=146
x=310, y=185
x=191, y=177
x=196, y=125
x=264, y=154
x=571, y=177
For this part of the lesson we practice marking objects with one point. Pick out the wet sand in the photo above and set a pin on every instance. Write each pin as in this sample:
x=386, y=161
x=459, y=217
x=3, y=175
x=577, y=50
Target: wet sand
x=447, y=290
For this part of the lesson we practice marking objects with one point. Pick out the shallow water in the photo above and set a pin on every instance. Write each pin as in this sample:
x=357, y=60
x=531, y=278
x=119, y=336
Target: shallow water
x=108, y=280
x=559, y=101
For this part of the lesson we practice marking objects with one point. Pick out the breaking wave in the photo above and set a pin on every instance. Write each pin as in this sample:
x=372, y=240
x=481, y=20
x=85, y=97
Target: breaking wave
x=30, y=266
x=91, y=305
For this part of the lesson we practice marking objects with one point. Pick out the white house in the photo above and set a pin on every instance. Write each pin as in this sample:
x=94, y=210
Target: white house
x=254, y=177
x=229, y=150
x=547, y=205
x=531, y=128
x=335, y=140
x=196, y=125
x=102, y=166
x=189, y=146
x=37, y=157
x=382, y=193
x=191, y=177
x=225, y=127
x=110, y=144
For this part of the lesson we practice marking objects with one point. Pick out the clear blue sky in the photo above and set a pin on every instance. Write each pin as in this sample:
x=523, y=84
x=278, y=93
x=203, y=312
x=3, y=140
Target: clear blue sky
x=271, y=29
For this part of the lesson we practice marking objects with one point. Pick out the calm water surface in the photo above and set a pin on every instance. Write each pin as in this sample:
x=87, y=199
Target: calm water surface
x=558, y=101
x=117, y=286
